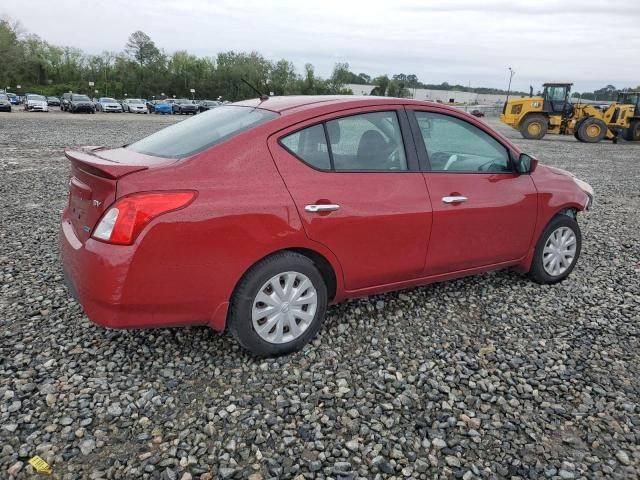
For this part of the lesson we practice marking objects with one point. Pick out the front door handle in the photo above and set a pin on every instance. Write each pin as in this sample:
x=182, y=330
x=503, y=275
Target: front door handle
x=454, y=199
x=321, y=208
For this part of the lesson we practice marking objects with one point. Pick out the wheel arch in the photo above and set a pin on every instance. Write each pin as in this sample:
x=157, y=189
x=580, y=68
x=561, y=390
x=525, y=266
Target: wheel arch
x=569, y=209
x=327, y=265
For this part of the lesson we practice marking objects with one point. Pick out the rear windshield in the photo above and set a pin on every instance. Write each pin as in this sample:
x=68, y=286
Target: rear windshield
x=202, y=131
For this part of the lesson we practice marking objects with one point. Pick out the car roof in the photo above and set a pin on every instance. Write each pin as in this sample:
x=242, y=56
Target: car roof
x=297, y=103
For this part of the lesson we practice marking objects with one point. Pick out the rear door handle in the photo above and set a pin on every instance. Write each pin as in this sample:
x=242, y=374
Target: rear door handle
x=331, y=207
x=454, y=199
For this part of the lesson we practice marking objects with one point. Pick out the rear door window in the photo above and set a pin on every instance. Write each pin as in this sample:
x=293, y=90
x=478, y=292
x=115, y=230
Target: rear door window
x=367, y=142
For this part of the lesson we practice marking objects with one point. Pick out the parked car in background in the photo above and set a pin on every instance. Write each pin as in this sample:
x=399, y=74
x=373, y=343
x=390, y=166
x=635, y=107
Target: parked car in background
x=13, y=98
x=53, y=101
x=183, y=106
x=301, y=202
x=80, y=103
x=5, y=104
x=64, y=101
x=205, y=105
x=108, y=104
x=35, y=103
x=135, y=105
x=477, y=113
x=160, y=106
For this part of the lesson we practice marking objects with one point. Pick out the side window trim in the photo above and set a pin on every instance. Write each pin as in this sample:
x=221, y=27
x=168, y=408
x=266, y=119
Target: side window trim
x=408, y=139
x=422, y=148
x=329, y=149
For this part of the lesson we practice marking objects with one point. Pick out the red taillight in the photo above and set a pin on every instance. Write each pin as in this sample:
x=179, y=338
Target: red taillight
x=122, y=223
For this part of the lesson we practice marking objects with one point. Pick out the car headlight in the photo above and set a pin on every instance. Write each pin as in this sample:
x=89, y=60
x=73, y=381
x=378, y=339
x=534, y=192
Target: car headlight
x=586, y=188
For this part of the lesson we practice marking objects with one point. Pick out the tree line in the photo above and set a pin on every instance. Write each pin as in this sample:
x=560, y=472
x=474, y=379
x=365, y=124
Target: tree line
x=144, y=70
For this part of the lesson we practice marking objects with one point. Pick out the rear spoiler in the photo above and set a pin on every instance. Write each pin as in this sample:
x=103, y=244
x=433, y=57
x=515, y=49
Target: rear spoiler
x=89, y=162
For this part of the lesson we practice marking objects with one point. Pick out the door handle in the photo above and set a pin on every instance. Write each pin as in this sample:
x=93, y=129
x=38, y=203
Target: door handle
x=322, y=208
x=454, y=199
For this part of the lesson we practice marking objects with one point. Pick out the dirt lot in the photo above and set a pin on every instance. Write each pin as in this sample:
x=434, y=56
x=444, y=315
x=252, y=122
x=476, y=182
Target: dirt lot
x=486, y=377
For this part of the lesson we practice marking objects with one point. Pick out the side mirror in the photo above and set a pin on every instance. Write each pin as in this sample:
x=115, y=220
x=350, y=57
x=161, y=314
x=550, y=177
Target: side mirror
x=525, y=163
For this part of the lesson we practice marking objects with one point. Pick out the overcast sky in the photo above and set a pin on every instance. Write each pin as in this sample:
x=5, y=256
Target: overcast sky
x=589, y=42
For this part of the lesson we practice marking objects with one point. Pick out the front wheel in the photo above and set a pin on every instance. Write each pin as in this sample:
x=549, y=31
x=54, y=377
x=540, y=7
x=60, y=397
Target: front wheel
x=557, y=251
x=592, y=130
x=279, y=305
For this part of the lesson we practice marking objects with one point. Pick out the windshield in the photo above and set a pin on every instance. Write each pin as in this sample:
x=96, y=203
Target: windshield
x=3, y=97
x=134, y=100
x=183, y=100
x=36, y=97
x=82, y=98
x=107, y=100
x=202, y=131
x=53, y=98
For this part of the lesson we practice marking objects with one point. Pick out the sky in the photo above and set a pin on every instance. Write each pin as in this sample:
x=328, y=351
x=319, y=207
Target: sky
x=591, y=43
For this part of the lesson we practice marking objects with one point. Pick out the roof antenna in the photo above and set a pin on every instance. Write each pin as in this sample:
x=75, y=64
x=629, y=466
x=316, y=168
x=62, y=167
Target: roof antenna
x=261, y=95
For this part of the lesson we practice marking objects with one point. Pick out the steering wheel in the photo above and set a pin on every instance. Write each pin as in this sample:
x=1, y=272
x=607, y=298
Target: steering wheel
x=452, y=159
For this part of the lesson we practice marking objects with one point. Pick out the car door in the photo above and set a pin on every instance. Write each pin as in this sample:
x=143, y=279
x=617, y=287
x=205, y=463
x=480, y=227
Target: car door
x=484, y=213
x=359, y=192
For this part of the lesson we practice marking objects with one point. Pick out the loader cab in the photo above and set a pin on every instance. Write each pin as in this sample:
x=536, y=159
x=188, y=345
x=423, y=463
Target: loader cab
x=630, y=98
x=557, y=98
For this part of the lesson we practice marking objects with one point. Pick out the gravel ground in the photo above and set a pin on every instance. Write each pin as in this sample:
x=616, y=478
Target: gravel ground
x=486, y=377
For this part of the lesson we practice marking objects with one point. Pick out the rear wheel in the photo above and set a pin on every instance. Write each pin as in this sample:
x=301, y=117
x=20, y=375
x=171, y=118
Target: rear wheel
x=279, y=305
x=534, y=127
x=632, y=134
x=557, y=251
x=592, y=130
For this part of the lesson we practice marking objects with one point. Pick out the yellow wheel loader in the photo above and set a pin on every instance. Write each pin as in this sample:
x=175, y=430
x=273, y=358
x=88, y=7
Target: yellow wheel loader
x=554, y=113
x=627, y=116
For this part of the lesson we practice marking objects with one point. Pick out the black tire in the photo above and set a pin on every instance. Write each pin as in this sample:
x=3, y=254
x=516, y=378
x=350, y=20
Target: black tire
x=240, y=323
x=534, y=127
x=592, y=130
x=537, y=271
x=632, y=134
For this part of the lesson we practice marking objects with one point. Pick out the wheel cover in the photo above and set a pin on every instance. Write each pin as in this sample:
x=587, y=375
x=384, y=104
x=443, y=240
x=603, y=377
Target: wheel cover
x=284, y=307
x=593, y=130
x=534, y=128
x=559, y=251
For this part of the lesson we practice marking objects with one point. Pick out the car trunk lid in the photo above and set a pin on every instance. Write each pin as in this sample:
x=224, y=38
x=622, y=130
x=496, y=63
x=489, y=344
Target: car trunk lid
x=95, y=172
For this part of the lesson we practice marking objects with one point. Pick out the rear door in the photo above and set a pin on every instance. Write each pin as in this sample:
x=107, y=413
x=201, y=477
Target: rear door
x=483, y=212
x=359, y=192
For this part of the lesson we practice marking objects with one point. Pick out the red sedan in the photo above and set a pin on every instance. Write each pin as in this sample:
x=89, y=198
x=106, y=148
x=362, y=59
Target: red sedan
x=256, y=215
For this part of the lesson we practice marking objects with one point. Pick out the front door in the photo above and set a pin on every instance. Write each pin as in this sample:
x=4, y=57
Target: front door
x=483, y=212
x=359, y=193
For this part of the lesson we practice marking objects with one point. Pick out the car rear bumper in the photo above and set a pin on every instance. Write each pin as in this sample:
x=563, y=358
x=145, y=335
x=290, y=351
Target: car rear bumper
x=99, y=277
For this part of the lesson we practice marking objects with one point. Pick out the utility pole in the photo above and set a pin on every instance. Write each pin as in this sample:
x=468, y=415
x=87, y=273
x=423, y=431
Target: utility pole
x=511, y=74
